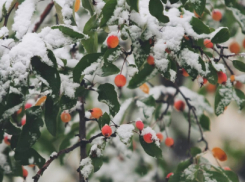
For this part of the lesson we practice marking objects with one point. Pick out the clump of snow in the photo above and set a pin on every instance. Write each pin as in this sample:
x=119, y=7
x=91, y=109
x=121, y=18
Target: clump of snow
x=152, y=132
x=86, y=167
x=67, y=10
x=22, y=19
x=124, y=106
x=68, y=87
x=240, y=78
x=4, y=32
x=53, y=154
x=125, y=132
x=148, y=110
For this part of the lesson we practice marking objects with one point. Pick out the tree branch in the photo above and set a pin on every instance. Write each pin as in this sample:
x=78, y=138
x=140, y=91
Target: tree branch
x=7, y=16
x=43, y=16
x=64, y=151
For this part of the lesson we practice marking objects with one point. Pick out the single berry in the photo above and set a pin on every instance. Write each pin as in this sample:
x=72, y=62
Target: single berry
x=77, y=5
x=96, y=113
x=211, y=88
x=41, y=100
x=120, y=80
x=186, y=38
x=19, y=111
x=232, y=78
x=218, y=153
x=225, y=108
x=150, y=60
x=148, y=138
x=23, y=121
x=181, y=16
x=167, y=50
x=205, y=81
x=25, y=173
x=65, y=117
x=106, y=131
x=139, y=125
x=169, y=142
x=184, y=72
x=151, y=41
x=28, y=105
x=7, y=140
x=160, y=136
x=169, y=174
x=227, y=168
x=234, y=47
x=222, y=78
x=216, y=15
x=238, y=85
x=207, y=43
x=145, y=88
x=112, y=41
x=179, y=105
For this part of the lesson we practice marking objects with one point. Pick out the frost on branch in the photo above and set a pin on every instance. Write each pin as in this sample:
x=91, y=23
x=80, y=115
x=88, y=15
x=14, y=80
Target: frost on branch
x=86, y=167
x=125, y=133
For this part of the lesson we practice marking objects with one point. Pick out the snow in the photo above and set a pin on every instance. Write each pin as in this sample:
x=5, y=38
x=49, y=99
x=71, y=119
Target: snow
x=124, y=106
x=125, y=132
x=4, y=32
x=68, y=87
x=148, y=110
x=86, y=167
x=240, y=78
x=22, y=19
x=53, y=154
x=67, y=10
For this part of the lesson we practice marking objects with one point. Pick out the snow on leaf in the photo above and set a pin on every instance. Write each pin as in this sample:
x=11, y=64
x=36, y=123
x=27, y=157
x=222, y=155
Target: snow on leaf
x=125, y=132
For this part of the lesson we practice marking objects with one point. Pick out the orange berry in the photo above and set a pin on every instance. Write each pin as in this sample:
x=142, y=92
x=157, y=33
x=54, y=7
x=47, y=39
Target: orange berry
x=169, y=174
x=7, y=140
x=222, y=78
x=225, y=108
x=150, y=60
x=184, y=72
x=160, y=136
x=77, y=5
x=112, y=41
x=145, y=88
x=28, y=105
x=25, y=173
x=19, y=111
x=169, y=142
x=65, y=117
x=211, y=88
x=167, y=50
x=181, y=16
x=96, y=113
x=227, y=168
x=151, y=41
x=234, y=47
x=23, y=121
x=148, y=138
x=205, y=81
x=219, y=154
x=179, y=105
x=186, y=37
x=120, y=81
x=139, y=125
x=41, y=100
x=216, y=15
x=106, y=131
x=243, y=43
x=232, y=78
x=207, y=43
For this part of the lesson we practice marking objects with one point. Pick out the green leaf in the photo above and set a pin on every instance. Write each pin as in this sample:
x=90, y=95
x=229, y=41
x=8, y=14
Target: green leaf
x=199, y=27
x=173, y=1
x=91, y=44
x=199, y=6
x=69, y=31
x=148, y=105
x=156, y=10
x=217, y=176
x=183, y=165
x=67, y=102
x=221, y=101
x=58, y=9
x=221, y=36
x=232, y=176
x=195, y=151
x=112, y=55
x=141, y=77
x=13, y=100
x=31, y=130
x=85, y=62
x=29, y=156
x=241, y=98
x=151, y=148
x=92, y=24
x=108, y=69
x=108, y=95
x=97, y=163
x=239, y=15
x=239, y=65
x=108, y=11
x=103, y=120
x=134, y=4
x=50, y=74
x=89, y=6
x=10, y=128
x=212, y=76
x=205, y=122
x=51, y=112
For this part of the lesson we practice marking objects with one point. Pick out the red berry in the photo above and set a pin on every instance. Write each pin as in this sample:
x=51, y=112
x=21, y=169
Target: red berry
x=139, y=125
x=179, y=105
x=23, y=121
x=150, y=60
x=222, y=78
x=169, y=174
x=169, y=142
x=28, y=105
x=205, y=81
x=96, y=113
x=216, y=15
x=112, y=41
x=65, y=117
x=7, y=139
x=25, y=173
x=160, y=136
x=148, y=138
x=120, y=80
x=208, y=44
x=106, y=131
x=227, y=168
